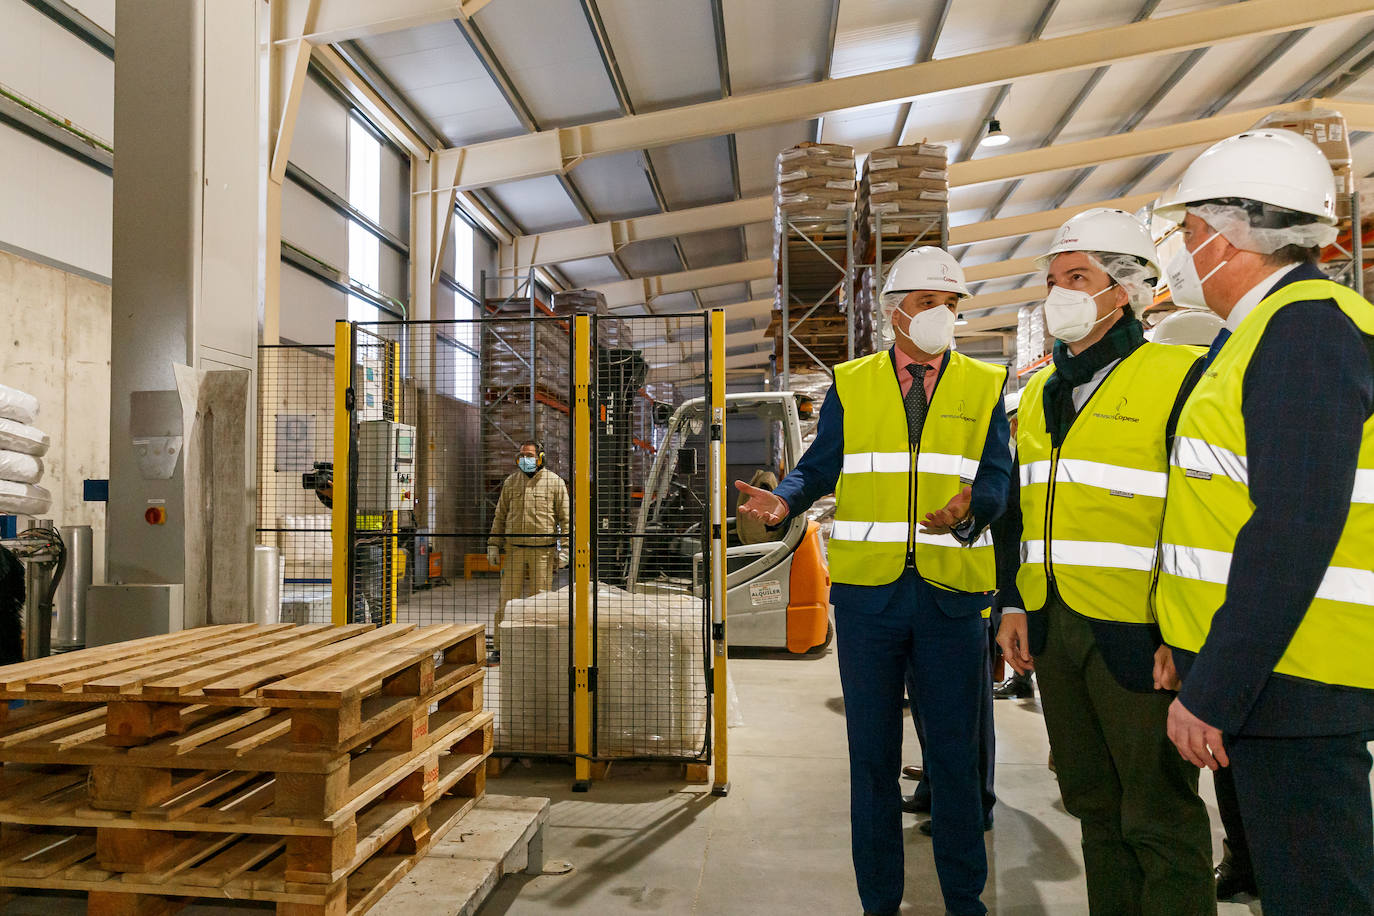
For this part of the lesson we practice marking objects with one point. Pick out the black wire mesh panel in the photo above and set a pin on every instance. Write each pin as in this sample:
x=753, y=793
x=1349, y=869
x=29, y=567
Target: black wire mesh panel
x=651, y=537
x=471, y=393
x=295, y=455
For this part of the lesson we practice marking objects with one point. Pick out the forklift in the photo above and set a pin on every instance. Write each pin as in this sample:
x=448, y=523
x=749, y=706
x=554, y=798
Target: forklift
x=777, y=583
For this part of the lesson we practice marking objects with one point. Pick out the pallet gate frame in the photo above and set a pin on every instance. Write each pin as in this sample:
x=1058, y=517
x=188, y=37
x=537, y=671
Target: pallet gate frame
x=582, y=640
x=309, y=766
x=815, y=253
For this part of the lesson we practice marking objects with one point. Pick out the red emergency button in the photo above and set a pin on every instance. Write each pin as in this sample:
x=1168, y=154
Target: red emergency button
x=155, y=515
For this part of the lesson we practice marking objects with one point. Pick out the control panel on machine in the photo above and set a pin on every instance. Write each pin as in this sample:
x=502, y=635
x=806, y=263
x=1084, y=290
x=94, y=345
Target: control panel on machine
x=386, y=466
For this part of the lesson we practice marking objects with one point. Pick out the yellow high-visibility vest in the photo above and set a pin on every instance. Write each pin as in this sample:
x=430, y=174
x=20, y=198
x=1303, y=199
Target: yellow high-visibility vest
x=886, y=487
x=1209, y=503
x=1091, y=509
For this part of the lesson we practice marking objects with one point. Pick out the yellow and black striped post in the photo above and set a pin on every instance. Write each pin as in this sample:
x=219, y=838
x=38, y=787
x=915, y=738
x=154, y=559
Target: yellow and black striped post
x=582, y=554
x=721, y=745
x=341, y=519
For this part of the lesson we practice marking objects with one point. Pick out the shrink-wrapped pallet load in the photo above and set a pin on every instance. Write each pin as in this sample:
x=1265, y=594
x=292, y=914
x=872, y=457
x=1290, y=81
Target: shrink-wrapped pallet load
x=569, y=302
x=651, y=687
x=906, y=185
x=815, y=181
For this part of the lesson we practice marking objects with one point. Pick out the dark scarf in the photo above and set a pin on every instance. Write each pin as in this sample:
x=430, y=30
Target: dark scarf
x=1071, y=371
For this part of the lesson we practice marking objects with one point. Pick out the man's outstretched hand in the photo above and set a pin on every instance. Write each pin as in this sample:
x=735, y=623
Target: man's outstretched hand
x=944, y=521
x=761, y=504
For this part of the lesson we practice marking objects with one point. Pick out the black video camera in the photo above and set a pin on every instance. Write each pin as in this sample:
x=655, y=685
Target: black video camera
x=322, y=476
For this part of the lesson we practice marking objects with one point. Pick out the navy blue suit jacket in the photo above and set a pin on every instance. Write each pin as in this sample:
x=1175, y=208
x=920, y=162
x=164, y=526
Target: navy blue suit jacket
x=1307, y=392
x=818, y=471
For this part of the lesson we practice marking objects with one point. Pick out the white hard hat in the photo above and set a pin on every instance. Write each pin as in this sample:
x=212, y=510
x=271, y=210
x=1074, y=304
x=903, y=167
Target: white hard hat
x=923, y=268
x=1190, y=327
x=1271, y=166
x=1107, y=230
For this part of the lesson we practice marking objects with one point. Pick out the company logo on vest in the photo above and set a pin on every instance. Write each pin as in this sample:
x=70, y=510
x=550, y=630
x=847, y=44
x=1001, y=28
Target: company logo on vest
x=1118, y=415
x=958, y=416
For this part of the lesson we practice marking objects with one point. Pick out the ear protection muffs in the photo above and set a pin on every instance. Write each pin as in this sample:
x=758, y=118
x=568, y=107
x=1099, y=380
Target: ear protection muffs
x=539, y=452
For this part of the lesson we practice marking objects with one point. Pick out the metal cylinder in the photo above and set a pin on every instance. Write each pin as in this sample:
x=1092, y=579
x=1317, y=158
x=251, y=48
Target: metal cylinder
x=267, y=575
x=38, y=573
x=69, y=625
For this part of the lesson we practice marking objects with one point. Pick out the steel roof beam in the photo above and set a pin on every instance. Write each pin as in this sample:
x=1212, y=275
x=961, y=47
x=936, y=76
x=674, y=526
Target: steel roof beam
x=557, y=150
x=1002, y=269
x=622, y=94
x=927, y=53
x=980, y=130
x=606, y=238
x=345, y=20
x=644, y=290
x=1260, y=67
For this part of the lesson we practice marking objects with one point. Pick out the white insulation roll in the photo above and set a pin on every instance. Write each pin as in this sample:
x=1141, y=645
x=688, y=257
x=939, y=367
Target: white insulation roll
x=23, y=438
x=17, y=405
x=20, y=468
x=23, y=498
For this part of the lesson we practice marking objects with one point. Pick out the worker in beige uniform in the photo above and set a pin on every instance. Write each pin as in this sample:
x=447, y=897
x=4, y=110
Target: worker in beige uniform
x=531, y=515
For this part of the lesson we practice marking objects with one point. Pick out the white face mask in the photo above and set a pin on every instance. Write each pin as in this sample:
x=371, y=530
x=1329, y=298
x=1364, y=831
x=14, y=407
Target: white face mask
x=1185, y=286
x=931, y=330
x=1071, y=314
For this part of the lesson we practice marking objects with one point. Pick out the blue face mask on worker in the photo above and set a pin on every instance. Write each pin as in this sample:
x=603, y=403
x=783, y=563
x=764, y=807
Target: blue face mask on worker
x=528, y=465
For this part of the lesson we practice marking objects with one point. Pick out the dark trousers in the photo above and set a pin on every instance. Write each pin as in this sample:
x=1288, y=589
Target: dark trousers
x=1308, y=822
x=987, y=742
x=1228, y=808
x=877, y=644
x=1147, y=845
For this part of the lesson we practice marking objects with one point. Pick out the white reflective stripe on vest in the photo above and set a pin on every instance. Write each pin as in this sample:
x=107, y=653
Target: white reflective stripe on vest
x=1099, y=554
x=870, y=532
x=1035, y=472
x=1097, y=474
x=879, y=462
x=1364, y=487
x=953, y=465
x=949, y=540
x=1341, y=583
x=1113, y=477
x=1199, y=455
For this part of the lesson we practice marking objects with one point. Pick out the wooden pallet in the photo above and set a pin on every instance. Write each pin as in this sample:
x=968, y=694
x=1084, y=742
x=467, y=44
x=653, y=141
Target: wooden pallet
x=305, y=765
x=243, y=867
x=336, y=682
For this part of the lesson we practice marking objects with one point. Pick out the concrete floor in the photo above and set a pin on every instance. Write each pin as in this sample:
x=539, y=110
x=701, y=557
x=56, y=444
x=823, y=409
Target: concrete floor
x=779, y=844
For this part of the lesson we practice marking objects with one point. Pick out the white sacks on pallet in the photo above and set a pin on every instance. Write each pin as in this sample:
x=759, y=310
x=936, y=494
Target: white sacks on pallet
x=651, y=684
x=23, y=499
x=20, y=468
x=814, y=181
x=17, y=405
x=21, y=446
x=23, y=438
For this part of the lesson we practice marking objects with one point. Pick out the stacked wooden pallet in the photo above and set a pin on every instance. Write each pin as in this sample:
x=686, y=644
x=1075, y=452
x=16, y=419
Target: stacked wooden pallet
x=311, y=766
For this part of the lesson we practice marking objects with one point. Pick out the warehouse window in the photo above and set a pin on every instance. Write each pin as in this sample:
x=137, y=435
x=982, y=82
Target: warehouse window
x=365, y=194
x=459, y=355
x=463, y=242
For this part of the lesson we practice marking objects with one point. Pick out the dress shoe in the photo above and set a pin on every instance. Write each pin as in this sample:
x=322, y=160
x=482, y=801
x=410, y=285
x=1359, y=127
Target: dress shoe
x=1234, y=875
x=924, y=826
x=913, y=772
x=913, y=805
x=1016, y=687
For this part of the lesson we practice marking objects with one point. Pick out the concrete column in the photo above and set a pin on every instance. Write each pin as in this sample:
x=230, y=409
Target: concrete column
x=188, y=280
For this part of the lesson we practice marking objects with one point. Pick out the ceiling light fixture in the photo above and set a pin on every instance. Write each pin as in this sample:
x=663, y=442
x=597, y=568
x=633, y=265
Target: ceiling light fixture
x=994, y=136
